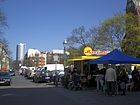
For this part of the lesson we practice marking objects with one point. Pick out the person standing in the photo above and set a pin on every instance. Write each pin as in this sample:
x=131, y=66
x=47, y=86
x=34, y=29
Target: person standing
x=123, y=79
x=110, y=78
x=135, y=78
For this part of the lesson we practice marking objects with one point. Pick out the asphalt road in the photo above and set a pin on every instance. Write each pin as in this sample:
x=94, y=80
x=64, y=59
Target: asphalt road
x=25, y=92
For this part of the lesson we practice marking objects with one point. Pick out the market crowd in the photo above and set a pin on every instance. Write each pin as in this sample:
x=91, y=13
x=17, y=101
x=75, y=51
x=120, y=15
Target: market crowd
x=110, y=80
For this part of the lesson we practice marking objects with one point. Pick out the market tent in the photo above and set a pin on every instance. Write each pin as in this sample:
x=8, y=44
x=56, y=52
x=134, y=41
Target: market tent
x=116, y=57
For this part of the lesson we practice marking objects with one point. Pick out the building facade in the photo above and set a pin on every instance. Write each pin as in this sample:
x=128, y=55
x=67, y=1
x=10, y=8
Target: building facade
x=35, y=58
x=55, y=54
x=60, y=55
x=42, y=59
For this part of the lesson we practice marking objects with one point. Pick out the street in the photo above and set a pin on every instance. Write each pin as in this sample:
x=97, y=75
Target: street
x=25, y=92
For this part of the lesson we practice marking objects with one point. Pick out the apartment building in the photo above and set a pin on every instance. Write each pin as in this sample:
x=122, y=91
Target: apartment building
x=35, y=58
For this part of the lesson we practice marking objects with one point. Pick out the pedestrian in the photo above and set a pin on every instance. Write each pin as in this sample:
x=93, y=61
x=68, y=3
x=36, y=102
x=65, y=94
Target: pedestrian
x=99, y=79
x=123, y=79
x=135, y=78
x=77, y=83
x=110, y=78
x=67, y=79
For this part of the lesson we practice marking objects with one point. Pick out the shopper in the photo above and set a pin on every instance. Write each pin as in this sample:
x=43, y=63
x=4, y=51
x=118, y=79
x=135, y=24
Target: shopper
x=123, y=79
x=135, y=78
x=110, y=78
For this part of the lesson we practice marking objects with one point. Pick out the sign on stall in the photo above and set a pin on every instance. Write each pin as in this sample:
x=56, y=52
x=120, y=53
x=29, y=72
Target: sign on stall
x=88, y=51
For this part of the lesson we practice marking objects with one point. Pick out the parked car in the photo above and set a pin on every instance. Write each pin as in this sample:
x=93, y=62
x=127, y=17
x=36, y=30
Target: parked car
x=5, y=78
x=42, y=76
x=59, y=73
x=30, y=72
x=12, y=72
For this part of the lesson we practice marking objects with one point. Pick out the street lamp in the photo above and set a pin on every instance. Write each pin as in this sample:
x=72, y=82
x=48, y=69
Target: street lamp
x=64, y=45
x=56, y=59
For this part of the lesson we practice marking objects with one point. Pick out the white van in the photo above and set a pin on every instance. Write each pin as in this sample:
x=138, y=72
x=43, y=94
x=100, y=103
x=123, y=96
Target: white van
x=58, y=67
x=52, y=67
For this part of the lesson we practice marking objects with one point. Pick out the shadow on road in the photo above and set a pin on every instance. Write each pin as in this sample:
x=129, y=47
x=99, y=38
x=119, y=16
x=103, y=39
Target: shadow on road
x=61, y=96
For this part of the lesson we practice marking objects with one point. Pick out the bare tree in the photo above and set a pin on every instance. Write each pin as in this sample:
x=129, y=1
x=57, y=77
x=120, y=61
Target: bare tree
x=107, y=36
x=3, y=26
x=79, y=37
x=3, y=19
x=112, y=31
x=5, y=51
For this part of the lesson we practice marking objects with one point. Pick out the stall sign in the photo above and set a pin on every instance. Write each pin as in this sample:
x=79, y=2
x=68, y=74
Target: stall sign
x=88, y=51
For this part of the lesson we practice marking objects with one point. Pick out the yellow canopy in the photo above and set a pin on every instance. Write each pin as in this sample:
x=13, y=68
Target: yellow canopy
x=81, y=58
x=136, y=65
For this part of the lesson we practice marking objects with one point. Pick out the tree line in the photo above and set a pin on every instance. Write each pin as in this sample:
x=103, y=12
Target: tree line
x=3, y=41
x=120, y=31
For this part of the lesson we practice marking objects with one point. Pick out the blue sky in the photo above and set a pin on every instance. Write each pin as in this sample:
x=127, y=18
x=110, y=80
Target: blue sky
x=44, y=24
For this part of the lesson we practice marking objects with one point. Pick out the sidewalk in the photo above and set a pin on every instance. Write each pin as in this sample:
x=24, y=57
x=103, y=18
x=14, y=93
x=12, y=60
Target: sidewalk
x=92, y=97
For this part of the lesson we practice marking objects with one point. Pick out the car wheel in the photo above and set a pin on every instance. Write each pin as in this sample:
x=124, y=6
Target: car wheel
x=9, y=84
x=33, y=80
x=37, y=80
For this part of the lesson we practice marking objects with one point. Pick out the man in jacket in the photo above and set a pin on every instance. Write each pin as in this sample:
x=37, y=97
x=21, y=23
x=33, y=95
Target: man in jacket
x=110, y=78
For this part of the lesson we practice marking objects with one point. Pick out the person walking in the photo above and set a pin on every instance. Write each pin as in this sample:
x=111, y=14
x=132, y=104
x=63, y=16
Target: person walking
x=135, y=78
x=123, y=79
x=110, y=78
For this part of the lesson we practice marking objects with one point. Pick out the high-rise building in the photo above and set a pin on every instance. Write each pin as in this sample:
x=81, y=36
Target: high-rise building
x=20, y=53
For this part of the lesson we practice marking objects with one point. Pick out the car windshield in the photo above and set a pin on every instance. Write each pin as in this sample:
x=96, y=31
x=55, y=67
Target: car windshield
x=11, y=71
x=4, y=73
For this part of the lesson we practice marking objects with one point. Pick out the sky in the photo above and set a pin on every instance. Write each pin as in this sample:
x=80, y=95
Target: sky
x=45, y=24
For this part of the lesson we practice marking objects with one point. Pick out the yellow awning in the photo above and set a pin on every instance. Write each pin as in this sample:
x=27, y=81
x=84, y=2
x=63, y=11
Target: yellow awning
x=81, y=58
x=136, y=65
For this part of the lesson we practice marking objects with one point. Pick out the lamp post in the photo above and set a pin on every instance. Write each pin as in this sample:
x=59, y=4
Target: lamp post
x=64, y=45
x=56, y=75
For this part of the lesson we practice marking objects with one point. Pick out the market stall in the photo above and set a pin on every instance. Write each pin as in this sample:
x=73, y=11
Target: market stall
x=116, y=57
